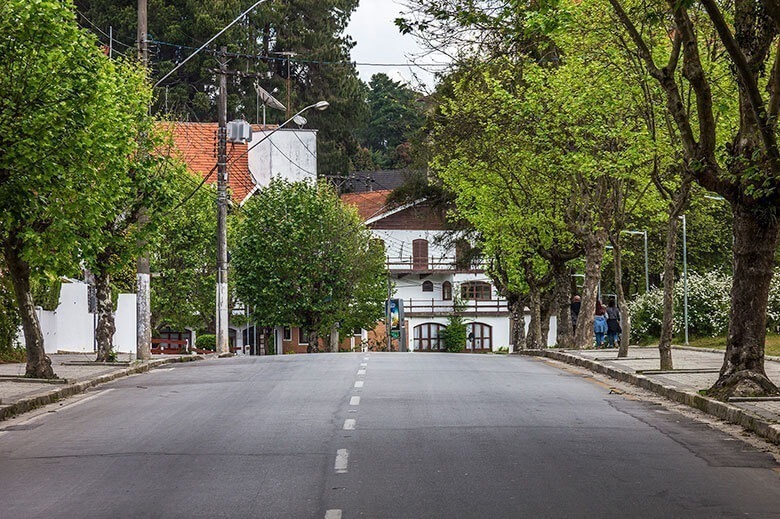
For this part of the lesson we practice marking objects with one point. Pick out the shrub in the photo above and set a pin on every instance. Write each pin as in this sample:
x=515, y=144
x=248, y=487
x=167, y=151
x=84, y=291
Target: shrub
x=206, y=341
x=708, y=307
x=454, y=335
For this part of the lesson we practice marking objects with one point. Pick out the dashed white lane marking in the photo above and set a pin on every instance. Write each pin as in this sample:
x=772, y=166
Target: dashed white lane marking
x=365, y=358
x=349, y=424
x=359, y=383
x=342, y=459
x=361, y=372
x=363, y=364
x=355, y=400
x=157, y=370
x=333, y=514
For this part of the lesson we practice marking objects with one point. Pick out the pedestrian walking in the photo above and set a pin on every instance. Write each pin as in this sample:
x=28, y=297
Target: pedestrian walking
x=600, y=324
x=613, y=323
x=575, y=312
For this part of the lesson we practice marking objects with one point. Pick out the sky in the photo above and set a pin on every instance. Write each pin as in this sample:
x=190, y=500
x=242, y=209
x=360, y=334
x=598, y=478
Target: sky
x=379, y=41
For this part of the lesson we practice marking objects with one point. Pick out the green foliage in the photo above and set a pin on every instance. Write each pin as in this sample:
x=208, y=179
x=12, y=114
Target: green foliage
x=46, y=292
x=206, y=341
x=302, y=258
x=394, y=118
x=9, y=317
x=708, y=307
x=183, y=259
x=455, y=334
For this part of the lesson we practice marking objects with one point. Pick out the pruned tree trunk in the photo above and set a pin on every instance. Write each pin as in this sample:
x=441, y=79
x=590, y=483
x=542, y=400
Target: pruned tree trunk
x=564, y=336
x=104, y=332
x=667, y=321
x=534, y=339
x=314, y=340
x=625, y=318
x=38, y=363
x=594, y=255
x=517, y=314
x=755, y=243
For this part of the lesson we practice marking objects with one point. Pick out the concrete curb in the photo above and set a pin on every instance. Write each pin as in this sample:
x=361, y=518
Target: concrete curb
x=26, y=404
x=733, y=414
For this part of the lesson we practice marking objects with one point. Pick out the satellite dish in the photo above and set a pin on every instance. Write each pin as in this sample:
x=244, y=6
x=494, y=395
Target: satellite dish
x=268, y=99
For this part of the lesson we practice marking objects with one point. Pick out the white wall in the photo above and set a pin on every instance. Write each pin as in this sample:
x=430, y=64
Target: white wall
x=75, y=325
x=288, y=153
x=72, y=328
x=398, y=243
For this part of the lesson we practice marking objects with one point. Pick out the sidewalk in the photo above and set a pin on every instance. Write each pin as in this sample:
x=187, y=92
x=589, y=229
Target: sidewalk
x=77, y=373
x=694, y=370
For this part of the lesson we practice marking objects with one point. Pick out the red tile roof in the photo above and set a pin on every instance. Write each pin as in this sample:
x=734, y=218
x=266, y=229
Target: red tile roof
x=196, y=145
x=370, y=204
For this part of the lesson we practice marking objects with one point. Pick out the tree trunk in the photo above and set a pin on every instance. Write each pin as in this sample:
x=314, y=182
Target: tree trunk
x=594, y=255
x=564, y=337
x=755, y=243
x=625, y=318
x=667, y=322
x=517, y=311
x=38, y=363
x=314, y=340
x=104, y=332
x=534, y=339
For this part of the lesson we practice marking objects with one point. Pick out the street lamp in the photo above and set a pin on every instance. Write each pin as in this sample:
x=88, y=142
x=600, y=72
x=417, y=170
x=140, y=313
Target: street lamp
x=685, y=276
x=647, y=268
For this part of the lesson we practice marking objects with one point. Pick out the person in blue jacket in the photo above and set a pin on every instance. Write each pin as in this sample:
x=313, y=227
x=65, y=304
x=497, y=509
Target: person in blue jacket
x=600, y=324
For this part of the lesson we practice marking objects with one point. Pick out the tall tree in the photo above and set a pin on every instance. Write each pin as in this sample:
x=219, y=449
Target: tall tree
x=59, y=137
x=303, y=258
x=748, y=174
x=394, y=117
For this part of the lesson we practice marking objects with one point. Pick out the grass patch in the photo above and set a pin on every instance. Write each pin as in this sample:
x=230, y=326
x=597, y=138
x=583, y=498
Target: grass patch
x=772, y=345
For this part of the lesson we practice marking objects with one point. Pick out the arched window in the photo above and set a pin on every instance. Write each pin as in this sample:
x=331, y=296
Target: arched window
x=479, y=337
x=420, y=254
x=427, y=286
x=446, y=291
x=426, y=337
x=476, y=291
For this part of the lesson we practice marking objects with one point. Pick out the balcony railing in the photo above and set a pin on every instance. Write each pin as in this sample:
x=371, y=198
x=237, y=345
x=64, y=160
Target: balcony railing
x=437, y=306
x=409, y=263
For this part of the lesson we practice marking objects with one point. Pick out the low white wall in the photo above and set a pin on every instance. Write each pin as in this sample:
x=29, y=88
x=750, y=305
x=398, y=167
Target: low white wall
x=126, y=324
x=72, y=328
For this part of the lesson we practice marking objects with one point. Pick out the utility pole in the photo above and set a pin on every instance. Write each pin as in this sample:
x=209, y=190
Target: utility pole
x=222, y=262
x=143, y=297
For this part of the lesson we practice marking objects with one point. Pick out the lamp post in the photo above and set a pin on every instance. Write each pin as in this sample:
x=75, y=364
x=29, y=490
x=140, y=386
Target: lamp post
x=647, y=263
x=685, y=276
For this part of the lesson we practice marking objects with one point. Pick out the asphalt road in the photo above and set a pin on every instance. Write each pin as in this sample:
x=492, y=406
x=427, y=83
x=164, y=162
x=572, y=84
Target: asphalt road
x=378, y=436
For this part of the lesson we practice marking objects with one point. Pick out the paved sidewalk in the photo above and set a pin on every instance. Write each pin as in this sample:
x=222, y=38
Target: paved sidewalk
x=18, y=395
x=694, y=370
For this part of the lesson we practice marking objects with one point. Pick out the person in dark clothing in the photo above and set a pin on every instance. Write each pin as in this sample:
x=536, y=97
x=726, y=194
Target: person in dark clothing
x=613, y=323
x=575, y=312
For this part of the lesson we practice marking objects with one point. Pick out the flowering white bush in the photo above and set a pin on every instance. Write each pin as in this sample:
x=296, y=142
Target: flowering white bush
x=708, y=307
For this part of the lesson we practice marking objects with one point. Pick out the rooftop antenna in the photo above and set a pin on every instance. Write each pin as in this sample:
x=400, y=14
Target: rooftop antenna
x=268, y=100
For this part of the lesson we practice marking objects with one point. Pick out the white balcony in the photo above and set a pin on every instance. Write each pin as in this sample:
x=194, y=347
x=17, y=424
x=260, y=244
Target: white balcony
x=432, y=307
x=411, y=264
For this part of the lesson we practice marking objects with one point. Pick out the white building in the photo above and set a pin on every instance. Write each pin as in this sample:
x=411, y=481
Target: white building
x=429, y=271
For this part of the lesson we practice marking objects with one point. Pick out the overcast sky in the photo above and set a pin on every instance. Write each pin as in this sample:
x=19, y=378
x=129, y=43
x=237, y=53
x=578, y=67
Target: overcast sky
x=378, y=41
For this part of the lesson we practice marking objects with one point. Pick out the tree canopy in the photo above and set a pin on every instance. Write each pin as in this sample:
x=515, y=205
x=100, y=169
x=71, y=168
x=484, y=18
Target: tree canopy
x=303, y=258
